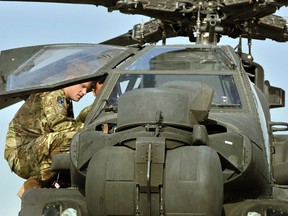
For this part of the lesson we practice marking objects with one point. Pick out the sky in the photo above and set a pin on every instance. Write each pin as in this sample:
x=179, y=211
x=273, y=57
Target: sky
x=27, y=24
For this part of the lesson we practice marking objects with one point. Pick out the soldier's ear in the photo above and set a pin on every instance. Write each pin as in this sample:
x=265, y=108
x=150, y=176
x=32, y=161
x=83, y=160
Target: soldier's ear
x=94, y=92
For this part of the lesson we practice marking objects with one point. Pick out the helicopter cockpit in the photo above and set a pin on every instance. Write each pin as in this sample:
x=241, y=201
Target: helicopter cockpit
x=181, y=64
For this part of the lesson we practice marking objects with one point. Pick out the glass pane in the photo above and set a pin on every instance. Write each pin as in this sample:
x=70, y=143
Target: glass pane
x=225, y=90
x=55, y=64
x=161, y=58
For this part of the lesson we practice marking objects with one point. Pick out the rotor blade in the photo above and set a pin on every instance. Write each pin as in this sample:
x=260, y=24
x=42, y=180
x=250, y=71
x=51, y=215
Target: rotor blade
x=233, y=18
x=105, y=3
x=57, y=1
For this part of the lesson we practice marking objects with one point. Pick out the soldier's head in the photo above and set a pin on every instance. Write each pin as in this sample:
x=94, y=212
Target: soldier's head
x=74, y=69
x=76, y=92
x=97, y=85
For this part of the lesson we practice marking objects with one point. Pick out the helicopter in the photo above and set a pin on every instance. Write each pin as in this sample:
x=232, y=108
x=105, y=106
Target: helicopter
x=197, y=140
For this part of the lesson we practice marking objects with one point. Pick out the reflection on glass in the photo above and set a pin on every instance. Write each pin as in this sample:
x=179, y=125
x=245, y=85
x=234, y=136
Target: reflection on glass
x=59, y=63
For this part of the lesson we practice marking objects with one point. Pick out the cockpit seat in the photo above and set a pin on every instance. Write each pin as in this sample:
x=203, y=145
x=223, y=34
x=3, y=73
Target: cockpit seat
x=61, y=163
x=281, y=173
x=280, y=160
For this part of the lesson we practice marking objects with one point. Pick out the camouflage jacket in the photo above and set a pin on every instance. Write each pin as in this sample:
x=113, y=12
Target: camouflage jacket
x=41, y=113
x=83, y=114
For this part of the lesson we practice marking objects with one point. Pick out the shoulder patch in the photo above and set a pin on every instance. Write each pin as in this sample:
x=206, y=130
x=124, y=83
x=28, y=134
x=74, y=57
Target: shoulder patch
x=61, y=101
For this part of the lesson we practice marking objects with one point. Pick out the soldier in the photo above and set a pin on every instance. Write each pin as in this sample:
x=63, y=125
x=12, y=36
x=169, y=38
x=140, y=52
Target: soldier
x=95, y=87
x=42, y=127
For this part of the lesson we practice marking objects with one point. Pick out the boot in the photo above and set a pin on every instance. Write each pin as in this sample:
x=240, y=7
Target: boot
x=30, y=183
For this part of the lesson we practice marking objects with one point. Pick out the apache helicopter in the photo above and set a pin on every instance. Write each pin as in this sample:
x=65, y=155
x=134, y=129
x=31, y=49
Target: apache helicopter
x=176, y=129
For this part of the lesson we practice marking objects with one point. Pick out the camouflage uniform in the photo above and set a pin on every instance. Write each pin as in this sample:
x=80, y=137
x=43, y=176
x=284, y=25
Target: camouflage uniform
x=42, y=127
x=83, y=114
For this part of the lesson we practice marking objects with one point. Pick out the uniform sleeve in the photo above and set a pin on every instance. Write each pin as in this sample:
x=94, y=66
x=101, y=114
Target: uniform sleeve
x=83, y=114
x=55, y=109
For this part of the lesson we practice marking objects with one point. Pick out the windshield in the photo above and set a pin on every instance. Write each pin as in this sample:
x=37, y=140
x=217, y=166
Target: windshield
x=175, y=58
x=58, y=63
x=225, y=90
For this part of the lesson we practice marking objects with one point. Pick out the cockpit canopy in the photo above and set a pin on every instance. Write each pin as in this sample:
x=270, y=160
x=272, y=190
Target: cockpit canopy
x=53, y=64
x=162, y=64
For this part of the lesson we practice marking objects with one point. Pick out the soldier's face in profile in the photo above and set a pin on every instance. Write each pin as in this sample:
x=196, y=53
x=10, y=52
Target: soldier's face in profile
x=76, y=92
x=97, y=88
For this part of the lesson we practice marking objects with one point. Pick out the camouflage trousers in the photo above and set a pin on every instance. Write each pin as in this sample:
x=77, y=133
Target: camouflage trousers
x=35, y=158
